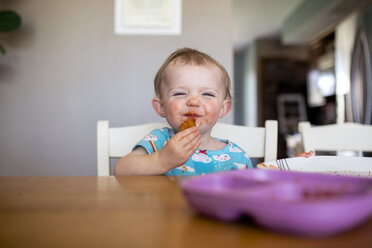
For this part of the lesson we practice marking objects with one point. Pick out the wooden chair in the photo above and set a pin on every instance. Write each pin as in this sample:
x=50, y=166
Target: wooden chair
x=341, y=138
x=258, y=142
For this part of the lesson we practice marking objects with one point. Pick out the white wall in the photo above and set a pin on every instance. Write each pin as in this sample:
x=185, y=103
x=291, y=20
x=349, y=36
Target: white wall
x=65, y=69
x=250, y=90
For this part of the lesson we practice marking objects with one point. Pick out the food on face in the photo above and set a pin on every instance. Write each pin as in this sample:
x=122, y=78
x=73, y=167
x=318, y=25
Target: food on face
x=190, y=122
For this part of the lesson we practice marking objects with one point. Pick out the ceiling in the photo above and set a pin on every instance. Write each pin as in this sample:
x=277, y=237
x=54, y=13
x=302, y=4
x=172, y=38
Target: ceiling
x=253, y=19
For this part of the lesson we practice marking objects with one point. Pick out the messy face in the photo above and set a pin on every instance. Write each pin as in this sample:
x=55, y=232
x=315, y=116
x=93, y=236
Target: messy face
x=195, y=91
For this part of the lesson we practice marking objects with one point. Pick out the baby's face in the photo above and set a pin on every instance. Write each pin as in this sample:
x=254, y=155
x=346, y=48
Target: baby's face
x=193, y=91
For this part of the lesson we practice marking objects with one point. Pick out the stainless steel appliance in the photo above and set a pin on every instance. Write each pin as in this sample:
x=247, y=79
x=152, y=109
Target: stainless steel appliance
x=359, y=100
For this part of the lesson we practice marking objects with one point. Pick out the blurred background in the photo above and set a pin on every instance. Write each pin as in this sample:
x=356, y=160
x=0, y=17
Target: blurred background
x=65, y=68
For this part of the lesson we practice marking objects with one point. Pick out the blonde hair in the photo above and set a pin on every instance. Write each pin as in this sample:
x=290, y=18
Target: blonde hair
x=193, y=57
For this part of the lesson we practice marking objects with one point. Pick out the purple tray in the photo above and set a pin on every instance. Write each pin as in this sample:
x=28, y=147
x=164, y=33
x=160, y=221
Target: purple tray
x=310, y=204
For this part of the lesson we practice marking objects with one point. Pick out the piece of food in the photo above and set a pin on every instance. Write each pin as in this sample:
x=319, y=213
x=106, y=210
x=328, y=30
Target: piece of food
x=190, y=122
x=264, y=166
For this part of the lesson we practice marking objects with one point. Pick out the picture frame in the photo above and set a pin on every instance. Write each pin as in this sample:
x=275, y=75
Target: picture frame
x=148, y=17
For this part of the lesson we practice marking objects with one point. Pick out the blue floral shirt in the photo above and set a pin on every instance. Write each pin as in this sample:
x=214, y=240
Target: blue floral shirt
x=231, y=157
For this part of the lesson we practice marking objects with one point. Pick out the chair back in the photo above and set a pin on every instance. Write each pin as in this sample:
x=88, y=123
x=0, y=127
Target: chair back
x=116, y=142
x=337, y=137
x=257, y=142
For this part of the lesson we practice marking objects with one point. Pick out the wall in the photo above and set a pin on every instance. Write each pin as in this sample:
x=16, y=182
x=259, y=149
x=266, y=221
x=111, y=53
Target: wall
x=239, y=97
x=65, y=69
x=245, y=74
x=271, y=48
x=250, y=111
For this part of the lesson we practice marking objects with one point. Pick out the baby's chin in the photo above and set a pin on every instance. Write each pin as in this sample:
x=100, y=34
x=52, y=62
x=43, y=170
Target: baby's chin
x=203, y=123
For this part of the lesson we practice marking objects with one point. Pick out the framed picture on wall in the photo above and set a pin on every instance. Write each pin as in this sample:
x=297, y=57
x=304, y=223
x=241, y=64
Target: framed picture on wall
x=148, y=17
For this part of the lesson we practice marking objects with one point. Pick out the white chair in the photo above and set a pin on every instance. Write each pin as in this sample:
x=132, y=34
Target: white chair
x=115, y=142
x=258, y=142
x=342, y=138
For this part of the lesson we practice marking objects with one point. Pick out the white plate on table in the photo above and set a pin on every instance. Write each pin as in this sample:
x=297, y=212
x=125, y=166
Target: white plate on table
x=351, y=166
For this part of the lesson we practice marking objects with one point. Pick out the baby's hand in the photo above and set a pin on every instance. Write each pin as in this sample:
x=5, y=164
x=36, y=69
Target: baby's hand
x=305, y=154
x=180, y=147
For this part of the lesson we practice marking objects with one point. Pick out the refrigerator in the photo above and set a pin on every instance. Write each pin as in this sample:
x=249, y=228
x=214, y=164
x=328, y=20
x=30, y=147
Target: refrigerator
x=358, y=103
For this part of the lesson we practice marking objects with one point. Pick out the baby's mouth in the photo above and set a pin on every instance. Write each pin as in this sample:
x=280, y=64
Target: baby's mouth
x=192, y=115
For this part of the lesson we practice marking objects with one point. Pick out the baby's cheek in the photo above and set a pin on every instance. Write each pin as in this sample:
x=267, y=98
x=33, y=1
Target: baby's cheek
x=173, y=113
x=211, y=111
x=174, y=107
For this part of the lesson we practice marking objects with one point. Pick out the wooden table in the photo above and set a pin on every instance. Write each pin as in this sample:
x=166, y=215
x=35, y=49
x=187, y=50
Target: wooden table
x=144, y=211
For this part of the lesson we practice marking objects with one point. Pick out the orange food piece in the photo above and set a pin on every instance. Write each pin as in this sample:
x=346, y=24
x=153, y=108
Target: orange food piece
x=190, y=122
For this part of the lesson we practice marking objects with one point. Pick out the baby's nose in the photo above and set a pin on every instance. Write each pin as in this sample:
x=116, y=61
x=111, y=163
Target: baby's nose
x=193, y=101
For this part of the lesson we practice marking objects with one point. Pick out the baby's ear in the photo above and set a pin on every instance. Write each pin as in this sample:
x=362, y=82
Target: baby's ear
x=226, y=106
x=158, y=107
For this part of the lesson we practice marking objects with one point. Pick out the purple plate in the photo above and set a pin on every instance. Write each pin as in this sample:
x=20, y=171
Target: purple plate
x=301, y=203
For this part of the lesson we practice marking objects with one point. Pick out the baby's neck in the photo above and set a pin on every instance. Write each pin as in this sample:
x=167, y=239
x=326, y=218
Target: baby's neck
x=210, y=143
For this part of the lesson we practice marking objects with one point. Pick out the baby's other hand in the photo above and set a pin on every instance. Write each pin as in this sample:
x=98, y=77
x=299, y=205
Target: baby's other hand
x=305, y=154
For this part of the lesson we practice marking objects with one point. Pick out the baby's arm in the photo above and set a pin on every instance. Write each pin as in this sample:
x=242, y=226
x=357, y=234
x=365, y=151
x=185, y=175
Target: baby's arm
x=176, y=152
